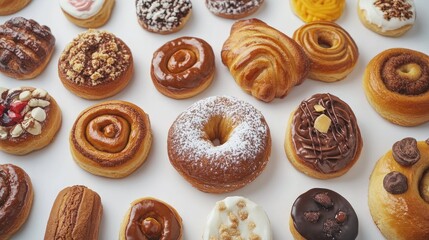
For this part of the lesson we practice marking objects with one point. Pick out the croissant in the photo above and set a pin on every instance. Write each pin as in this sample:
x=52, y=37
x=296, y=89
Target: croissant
x=263, y=61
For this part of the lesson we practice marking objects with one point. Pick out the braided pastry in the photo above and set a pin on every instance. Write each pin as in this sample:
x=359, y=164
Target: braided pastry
x=314, y=10
x=263, y=61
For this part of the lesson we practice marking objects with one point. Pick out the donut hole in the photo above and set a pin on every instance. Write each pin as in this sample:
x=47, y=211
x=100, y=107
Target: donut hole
x=410, y=71
x=325, y=41
x=218, y=130
x=424, y=186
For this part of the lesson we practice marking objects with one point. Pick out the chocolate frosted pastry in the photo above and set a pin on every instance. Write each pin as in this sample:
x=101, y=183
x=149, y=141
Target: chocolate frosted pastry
x=320, y=214
x=398, y=195
x=149, y=218
x=25, y=48
x=323, y=139
x=233, y=9
x=75, y=214
x=29, y=119
x=96, y=65
x=395, y=82
x=16, y=199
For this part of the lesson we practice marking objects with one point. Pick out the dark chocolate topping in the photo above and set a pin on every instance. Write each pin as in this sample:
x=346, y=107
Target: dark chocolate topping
x=317, y=222
x=326, y=152
x=395, y=183
x=405, y=152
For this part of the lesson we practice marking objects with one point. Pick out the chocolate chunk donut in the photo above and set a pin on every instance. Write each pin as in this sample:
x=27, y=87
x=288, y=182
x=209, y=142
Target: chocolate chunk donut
x=233, y=9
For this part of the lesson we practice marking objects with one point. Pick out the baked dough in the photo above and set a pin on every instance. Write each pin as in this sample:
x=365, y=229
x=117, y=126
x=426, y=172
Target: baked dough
x=396, y=84
x=87, y=13
x=256, y=53
x=233, y=9
x=8, y=7
x=398, y=196
x=315, y=10
x=111, y=139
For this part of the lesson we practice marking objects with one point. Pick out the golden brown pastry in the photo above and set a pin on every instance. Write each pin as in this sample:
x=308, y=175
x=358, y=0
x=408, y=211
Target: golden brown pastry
x=398, y=195
x=390, y=18
x=75, y=214
x=219, y=144
x=16, y=199
x=96, y=65
x=263, y=61
x=183, y=67
x=150, y=218
x=332, y=51
x=111, y=139
x=29, y=119
x=12, y=6
x=25, y=48
x=323, y=139
x=87, y=13
x=396, y=84
x=233, y=9
x=168, y=17
x=315, y=10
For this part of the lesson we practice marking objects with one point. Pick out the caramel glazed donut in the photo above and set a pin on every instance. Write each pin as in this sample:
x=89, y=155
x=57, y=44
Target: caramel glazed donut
x=398, y=194
x=111, y=139
x=16, y=199
x=149, y=218
x=396, y=84
x=183, y=67
x=219, y=144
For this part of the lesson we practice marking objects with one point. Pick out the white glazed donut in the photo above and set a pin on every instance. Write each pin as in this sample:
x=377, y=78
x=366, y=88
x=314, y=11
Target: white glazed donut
x=81, y=9
x=238, y=218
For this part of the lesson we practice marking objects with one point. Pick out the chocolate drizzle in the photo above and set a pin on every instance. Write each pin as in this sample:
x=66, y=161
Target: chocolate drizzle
x=326, y=152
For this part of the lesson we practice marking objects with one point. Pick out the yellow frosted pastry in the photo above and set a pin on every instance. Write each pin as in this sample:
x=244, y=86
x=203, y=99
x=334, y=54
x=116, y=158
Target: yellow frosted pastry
x=313, y=10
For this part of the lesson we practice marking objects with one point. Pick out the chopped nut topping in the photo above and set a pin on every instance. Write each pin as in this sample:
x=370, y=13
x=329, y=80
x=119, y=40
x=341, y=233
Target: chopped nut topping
x=324, y=200
x=221, y=206
x=241, y=204
x=322, y=123
x=395, y=9
x=319, y=108
x=251, y=225
x=254, y=237
x=243, y=214
x=233, y=218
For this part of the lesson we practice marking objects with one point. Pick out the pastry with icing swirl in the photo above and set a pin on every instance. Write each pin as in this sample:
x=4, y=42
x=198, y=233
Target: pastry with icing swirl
x=396, y=84
x=315, y=10
x=323, y=139
x=398, y=193
x=111, y=139
x=87, y=13
x=233, y=9
x=183, y=67
x=12, y=6
x=16, y=199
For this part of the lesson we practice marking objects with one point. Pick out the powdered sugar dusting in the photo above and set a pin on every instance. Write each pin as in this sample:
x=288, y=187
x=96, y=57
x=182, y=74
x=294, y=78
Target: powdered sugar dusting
x=232, y=6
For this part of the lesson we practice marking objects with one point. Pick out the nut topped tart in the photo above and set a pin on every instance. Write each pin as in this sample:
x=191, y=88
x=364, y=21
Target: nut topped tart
x=95, y=65
x=29, y=119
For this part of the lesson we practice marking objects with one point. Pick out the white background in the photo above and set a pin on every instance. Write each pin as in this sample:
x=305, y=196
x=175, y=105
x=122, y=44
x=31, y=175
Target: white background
x=52, y=168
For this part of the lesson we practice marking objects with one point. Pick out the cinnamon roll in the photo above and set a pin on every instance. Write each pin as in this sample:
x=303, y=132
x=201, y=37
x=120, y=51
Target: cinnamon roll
x=16, y=199
x=87, y=13
x=332, y=51
x=111, y=139
x=314, y=10
x=396, y=84
x=183, y=67
x=12, y=6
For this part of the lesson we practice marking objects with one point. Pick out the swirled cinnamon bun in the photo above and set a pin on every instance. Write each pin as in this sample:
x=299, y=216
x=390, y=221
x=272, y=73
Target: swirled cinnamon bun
x=323, y=139
x=111, y=139
x=396, y=84
x=183, y=67
x=256, y=55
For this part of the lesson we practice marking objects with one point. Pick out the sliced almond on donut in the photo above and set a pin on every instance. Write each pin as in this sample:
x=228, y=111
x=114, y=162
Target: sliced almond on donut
x=322, y=123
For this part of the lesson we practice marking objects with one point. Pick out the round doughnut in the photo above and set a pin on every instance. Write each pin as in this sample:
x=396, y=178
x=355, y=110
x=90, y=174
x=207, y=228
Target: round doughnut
x=150, y=218
x=237, y=218
x=96, y=65
x=168, y=17
x=314, y=10
x=395, y=82
x=29, y=119
x=323, y=139
x=87, y=13
x=111, y=139
x=8, y=7
x=219, y=144
x=332, y=51
x=398, y=195
x=183, y=67
x=233, y=9
x=391, y=18
x=322, y=214
x=16, y=199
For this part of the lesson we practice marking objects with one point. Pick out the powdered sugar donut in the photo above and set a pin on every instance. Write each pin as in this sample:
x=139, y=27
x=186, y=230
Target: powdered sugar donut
x=219, y=144
x=233, y=9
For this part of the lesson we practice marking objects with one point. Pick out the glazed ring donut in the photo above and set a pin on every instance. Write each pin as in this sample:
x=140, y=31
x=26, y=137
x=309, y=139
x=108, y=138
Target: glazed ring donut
x=398, y=194
x=323, y=139
x=237, y=218
x=233, y=9
x=8, y=7
x=332, y=51
x=314, y=10
x=395, y=82
x=111, y=139
x=321, y=213
x=183, y=67
x=219, y=144
x=87, y=13
x=29, y=119
x=16, y=199
x=149, y=218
